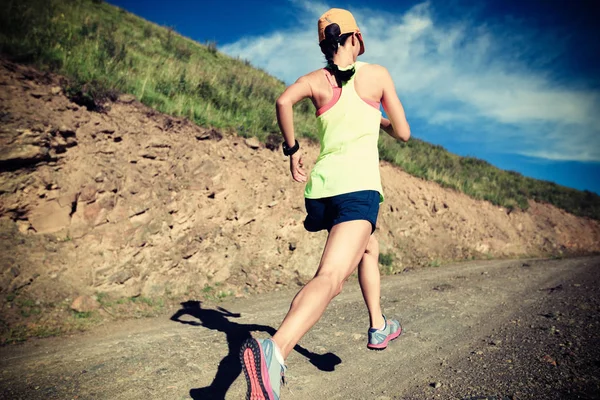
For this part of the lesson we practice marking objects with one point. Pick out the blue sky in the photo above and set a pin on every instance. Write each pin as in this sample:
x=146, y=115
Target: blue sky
x=515, y=83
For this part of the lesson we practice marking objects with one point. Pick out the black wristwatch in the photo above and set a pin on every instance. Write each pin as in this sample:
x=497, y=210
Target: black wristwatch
x=288, y=151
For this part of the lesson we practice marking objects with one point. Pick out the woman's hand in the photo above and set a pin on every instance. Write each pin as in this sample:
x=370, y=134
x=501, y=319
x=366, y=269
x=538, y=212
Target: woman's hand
x=296, y=167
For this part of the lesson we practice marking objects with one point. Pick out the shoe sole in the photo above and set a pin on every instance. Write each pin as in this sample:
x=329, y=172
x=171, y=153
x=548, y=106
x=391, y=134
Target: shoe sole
x=255, y=370
x=384, y=344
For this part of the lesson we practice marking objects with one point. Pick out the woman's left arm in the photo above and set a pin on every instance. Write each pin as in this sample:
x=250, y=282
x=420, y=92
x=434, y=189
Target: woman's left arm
x=285, y=118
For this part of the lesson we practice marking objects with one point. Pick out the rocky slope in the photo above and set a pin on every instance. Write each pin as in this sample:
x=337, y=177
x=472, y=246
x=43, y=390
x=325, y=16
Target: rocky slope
x=130, y=202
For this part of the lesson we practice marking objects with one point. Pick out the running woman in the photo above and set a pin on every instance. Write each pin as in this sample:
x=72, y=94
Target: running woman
x=342, y=193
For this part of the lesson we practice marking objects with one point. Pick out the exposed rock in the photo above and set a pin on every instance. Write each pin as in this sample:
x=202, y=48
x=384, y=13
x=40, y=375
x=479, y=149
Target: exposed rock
x=159, y=144
x=149, y=155
x=94, y=214
x=126, y=98
x=88, y=193
x=222, y=274
x=38, y=94
x=66, y=132
x=21, y=155
x=118, y=214
x=58, y=144
x=252, y=142
x=79, y=227
x=107, y=200
x=212, y=134
x=85, y=304
x=191, y=248
x=67, y=200
x=120, y=277
x=50, y=217
x=23, y=226
x=71, y=142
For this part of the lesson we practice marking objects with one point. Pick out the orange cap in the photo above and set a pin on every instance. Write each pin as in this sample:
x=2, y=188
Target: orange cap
x=344, y=19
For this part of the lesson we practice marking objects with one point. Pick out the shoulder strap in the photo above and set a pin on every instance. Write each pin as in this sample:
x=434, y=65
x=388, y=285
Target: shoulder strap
x=328, y=75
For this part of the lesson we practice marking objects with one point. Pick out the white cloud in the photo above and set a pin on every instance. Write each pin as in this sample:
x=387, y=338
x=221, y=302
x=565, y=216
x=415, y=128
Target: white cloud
x=585, y=156
x=455, y=74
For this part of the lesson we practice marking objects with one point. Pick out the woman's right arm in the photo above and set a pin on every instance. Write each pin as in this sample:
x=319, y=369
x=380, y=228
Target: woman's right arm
x=397, y=125
x=285, y=115
x=285, y=118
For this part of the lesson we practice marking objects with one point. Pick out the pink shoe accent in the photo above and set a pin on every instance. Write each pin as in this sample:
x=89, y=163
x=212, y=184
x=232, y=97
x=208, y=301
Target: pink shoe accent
x=256, y=381
x=386, y=341
x=255, y=391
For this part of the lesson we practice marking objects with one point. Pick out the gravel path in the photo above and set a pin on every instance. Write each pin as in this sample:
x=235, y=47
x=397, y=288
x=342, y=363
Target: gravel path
x=479, y=330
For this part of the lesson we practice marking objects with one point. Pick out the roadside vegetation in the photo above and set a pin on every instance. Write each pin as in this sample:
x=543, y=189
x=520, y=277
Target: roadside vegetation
x=104, y=50
x=36, y=318
x=481, y=180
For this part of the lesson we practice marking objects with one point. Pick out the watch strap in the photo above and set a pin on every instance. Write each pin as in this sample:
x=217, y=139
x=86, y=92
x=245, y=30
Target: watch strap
x=288, y=151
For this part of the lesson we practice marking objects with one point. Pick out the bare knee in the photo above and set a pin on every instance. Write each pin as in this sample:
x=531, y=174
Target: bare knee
x=335, y=282
x=372, y=247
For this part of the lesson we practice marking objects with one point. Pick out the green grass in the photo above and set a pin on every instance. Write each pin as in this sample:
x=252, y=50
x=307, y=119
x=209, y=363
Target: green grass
x=481, y=180
x=104, y=50
x=386, y=259
x=103, y=299
x=435, y=263
x=21, y=333
x=82, y=314
x=210, y=293
x=386, y=263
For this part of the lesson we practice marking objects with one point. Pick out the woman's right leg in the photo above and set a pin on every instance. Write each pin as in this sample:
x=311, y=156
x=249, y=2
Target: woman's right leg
x=344, y=249
x=370, y=282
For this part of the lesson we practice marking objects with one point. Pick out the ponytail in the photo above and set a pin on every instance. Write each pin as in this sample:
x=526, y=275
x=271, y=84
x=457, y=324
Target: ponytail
x=329, y=47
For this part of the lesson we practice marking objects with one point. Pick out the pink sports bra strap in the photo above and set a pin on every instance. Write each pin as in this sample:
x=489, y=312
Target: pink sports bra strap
x=328, y=75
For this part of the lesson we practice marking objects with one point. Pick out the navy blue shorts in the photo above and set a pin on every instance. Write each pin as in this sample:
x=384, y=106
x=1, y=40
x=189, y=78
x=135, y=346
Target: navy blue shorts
x=329, y=211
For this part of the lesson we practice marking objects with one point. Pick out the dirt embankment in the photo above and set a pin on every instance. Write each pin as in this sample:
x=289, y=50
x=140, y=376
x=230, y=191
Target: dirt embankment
x=131, y=202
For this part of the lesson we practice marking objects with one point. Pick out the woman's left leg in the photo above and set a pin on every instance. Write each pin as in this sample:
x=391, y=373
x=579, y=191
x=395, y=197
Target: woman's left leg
x=344, y=249
x=370, y=282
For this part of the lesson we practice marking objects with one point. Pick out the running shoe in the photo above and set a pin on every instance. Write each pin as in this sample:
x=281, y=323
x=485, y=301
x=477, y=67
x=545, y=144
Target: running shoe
x=379, y=338
x=264, y=374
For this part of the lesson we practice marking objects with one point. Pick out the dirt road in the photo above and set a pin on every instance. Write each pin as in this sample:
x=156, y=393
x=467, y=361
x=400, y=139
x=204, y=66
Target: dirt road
x=480, y=330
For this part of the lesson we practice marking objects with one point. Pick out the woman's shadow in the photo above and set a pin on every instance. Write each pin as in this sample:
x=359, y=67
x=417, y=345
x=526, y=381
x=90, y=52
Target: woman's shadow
x=230, y=367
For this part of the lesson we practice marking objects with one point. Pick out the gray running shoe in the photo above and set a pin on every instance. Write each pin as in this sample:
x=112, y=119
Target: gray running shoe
x=379, y=338
x=264, y=374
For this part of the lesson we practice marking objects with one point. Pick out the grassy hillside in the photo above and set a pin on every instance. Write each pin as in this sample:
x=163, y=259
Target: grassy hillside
x=103, y=50
x=479, y=179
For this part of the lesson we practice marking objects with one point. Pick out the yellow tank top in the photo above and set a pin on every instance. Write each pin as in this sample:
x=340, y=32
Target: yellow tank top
x=348, y=129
